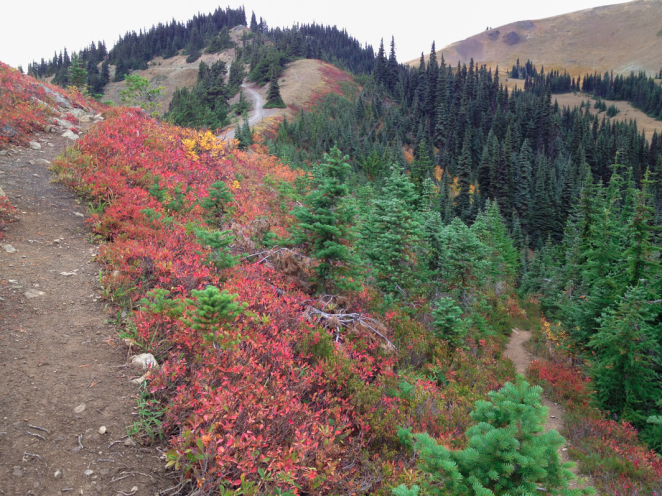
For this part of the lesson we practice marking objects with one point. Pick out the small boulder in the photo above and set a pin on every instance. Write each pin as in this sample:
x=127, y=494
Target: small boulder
x=70, y=134
x=145, y=361
x=33, y=293
x=9, y=248
x=34, y=145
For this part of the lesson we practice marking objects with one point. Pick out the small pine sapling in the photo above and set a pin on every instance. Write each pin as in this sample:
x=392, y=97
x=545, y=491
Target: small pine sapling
x=447, y=322
x=213, y=313
x=218, y=242
x=507, y=454
x=215, y=204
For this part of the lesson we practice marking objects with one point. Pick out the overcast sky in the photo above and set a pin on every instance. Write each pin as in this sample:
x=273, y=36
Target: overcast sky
x=34, y=29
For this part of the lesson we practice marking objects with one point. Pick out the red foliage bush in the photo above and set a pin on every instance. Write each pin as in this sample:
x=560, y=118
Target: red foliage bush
x=567, y=384
x=26, y=105
x=610, y=451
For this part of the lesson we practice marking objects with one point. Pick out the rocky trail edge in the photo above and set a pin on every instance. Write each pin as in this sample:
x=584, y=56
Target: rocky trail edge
x=66, y=398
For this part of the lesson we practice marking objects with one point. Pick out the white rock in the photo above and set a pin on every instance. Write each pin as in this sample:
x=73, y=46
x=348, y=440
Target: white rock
x=70, y=134
x=145, y=361
x=33, y=293
x=88, y=472
x=9, y=248
x=57, y=474
x=80, y=408
x=34, y=145
x=78, y=214
x=102, y=429
x=139, y=380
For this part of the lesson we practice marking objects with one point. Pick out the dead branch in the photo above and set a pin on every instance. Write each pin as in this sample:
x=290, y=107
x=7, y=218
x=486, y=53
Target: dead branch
x=347, y=319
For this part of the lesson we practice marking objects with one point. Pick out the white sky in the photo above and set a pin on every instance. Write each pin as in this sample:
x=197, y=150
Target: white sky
x=31, y=29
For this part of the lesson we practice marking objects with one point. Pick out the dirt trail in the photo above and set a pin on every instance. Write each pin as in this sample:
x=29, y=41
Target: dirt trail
x=256, y=115
x=63, y=366
x=522, y=358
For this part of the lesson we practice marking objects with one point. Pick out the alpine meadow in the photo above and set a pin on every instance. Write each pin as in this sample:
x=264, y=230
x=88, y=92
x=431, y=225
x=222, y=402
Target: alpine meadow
x=250, y=260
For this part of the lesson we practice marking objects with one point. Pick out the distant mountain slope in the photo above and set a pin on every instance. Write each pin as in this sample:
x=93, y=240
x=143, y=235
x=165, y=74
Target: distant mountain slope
x=624, y=37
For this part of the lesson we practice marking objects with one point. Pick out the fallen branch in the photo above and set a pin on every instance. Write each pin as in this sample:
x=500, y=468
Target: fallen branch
x=346, y=319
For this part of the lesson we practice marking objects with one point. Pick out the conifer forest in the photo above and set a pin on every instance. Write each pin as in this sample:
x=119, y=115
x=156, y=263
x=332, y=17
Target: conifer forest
x=331, y=296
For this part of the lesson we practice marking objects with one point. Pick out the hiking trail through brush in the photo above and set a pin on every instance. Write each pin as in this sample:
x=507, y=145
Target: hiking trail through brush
x=522, y=358
x=65, y=397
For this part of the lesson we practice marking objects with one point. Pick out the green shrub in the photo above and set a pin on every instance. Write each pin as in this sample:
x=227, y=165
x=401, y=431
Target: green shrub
x=508, y=453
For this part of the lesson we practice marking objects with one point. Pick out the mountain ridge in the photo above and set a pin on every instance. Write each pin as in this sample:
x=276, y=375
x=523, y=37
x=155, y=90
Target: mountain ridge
x=625, y=35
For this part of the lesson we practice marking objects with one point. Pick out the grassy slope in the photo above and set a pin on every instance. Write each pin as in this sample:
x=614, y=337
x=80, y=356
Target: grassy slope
x=627, y=111
x=621, y=37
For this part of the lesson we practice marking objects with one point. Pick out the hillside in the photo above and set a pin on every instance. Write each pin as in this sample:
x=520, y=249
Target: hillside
x=623, y=37
x=626, y=113
x=172, y=73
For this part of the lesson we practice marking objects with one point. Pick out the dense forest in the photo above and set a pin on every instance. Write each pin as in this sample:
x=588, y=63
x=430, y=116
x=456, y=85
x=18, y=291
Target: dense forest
x=583, y=191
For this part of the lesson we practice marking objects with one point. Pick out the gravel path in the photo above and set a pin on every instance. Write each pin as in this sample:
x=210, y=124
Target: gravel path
x=65, y=397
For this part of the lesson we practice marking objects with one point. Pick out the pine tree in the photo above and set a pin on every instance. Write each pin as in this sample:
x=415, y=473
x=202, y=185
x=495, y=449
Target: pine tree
x=393, y=68
x=274, y=100
x=421, y=166
x=392, y=234
x=254, y=27
x=77, y=74
x=326, y=224
x=215, y=205
x=508, y=451
x=628, y=352
x=463, y=199
x=381, y=65
x=213, y=313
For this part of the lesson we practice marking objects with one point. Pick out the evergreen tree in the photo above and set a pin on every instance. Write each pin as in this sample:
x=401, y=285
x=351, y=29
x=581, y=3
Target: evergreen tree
x=213, y=314
x=393, y=68
x=629, y=357
x=254, y=25
x=77, y=74
x=326, y=224
x=463, y=199
x=274, y=100
x=381, y=65
x=392, y=235
x=508, y=451
x=215, y=205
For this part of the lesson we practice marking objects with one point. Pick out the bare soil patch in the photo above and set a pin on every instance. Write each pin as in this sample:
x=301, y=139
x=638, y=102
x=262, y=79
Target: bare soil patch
x=64, y=367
